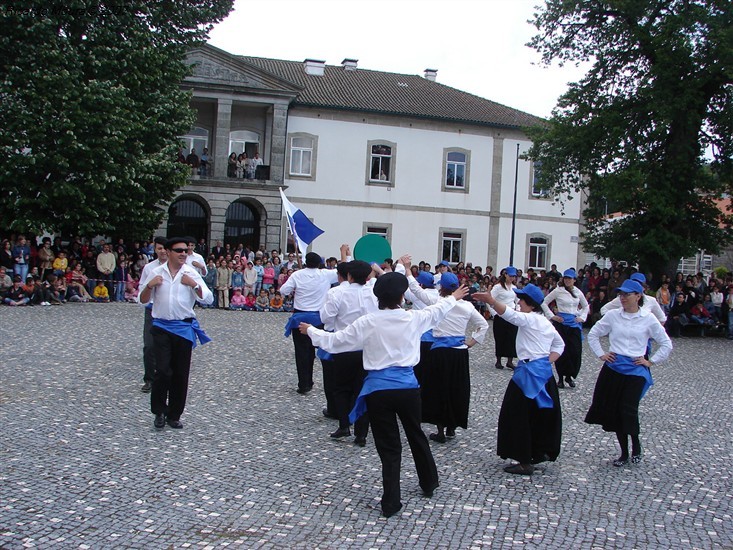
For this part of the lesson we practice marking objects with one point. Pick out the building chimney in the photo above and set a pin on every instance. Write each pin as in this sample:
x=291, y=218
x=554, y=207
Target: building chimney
x=314, y=67
x=431, y=74
x=349, y=64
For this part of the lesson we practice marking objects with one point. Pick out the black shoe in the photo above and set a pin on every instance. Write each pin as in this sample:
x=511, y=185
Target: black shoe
x=560, y=384
x=341, y=432
x=175, y=424
x=498, y=364
x=303, y=391
x=429, y=492
x=636, y=459
x=621, y=461
x=520, y=469
x=147, y=386
x=542, y=458
x=570, y=382
x=360, y=441
x=159, y=421
x=450, y=432
x=438, y=438
x=329, y=414
x=390, y=513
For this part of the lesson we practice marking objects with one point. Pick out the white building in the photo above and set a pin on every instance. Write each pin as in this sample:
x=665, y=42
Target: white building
x=431, y=168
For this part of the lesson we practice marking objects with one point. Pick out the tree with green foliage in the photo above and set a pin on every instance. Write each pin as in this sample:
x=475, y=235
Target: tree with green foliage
x=635, y=132
x=91, y=106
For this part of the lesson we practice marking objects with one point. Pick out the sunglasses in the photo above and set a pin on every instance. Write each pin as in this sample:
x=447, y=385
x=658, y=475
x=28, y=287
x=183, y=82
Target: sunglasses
x=179, y=250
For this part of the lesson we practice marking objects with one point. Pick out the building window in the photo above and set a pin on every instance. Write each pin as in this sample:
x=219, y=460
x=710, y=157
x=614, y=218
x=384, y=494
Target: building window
x=381, y=229
x=381, y=162
x=452, y=244
x=302, y=156
x=538, y=252
x=536, y=189
x=456, y=169
x=243, y=141
x=197, y=138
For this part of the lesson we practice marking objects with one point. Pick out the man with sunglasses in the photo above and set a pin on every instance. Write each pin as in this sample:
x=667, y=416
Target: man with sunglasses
x=174, y=288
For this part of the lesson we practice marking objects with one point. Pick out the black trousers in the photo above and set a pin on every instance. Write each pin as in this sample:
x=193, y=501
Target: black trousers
x=305, y=355
x=384, y=408
x=148, y=347
x=172, y=366
x=328, y=366
x=348, y=378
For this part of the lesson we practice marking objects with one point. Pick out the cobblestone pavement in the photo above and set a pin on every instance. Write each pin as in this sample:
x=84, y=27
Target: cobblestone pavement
x=82, y=466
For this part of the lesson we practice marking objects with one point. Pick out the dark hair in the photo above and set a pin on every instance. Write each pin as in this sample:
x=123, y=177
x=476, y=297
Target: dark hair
x=503, y=279
x=312, y=260
x=343, y=270
x=561, y=284
x=359, y=271
x=531, y=303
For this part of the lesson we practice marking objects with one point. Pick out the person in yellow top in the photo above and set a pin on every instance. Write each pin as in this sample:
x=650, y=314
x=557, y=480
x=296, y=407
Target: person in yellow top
x=101, y=294
x=60, y=264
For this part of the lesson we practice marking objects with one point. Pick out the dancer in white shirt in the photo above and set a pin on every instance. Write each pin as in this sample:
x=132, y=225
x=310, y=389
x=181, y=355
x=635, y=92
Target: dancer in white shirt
x=650, y=303
x=505, y=333
x=626, y=374
x=572, y=310
x=530, y=420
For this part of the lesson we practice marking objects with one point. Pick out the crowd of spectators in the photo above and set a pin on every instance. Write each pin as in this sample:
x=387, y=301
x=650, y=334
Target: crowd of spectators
x=49, y=271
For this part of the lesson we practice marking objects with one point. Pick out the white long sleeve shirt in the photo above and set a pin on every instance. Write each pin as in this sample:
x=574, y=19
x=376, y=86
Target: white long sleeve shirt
x=172, y=300
x=504, y=296
x=389, y=337
x=650, y=304
x=628, y=334
x=347, y=302
x=309, y=286
x=536, y=336
x=145, y=275
x=566, y=303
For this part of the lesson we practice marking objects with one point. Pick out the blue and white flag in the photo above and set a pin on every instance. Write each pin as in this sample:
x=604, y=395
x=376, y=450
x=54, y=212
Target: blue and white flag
x=304, y=231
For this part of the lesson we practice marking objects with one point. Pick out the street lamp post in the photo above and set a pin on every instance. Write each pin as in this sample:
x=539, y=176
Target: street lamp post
x=514, y=209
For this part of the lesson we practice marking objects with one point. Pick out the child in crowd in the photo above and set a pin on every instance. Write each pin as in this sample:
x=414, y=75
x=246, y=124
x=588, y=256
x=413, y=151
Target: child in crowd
x=288, y=304
x=101, y=294
x=238, y=301
x=249, y=302
x=268, y=279
x=237, y=278
x=276, y=302
x=263, y=302
x=131, y=288
x=60, y=264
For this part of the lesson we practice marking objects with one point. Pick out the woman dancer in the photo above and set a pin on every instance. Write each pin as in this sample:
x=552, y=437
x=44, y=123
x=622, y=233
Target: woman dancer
x=447, y=383
x=625, y=376
x=505, y=333
x=572, y=310
x=530, y=420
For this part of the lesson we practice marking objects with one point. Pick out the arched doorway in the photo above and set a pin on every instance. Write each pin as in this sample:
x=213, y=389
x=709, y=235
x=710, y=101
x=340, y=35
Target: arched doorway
x=242, y=225
x=187, y=217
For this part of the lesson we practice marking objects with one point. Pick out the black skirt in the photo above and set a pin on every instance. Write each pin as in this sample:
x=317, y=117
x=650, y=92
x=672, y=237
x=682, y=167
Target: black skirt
x=424, y=363
x=446, y=388
x=505, y=338
x=527, y=433
x=615, y=405
x=568, y=363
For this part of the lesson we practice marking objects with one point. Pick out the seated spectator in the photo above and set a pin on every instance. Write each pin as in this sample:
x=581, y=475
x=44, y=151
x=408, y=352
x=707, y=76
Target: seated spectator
x=131, y=288
x=664, y=297
x=60, y=264
x=249, y=302
x=288, y=304
x=15, y=295
x=238, y=301
x=699, y=315
x=101, y=293
x=716, y=298
x=6, y=282
x=262, y=303
x=57, y=289
x=678, y=315
x=277, y=302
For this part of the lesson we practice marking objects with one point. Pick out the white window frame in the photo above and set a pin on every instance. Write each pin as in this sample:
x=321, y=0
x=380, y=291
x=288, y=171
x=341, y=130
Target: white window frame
x=294, y=152
x=535, y=192
x=238, y=140
x=197, y=138
x=390, y=181
x=546, y=247
x=445, y=185
x=381, y=229
x=452, y=235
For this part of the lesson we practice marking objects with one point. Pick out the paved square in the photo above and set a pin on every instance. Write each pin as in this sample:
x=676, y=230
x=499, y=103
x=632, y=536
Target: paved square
x=82, y=466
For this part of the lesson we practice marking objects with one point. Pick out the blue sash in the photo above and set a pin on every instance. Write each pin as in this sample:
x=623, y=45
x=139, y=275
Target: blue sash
x=625, y=365
x=427, y=336
x=531, y=377
x=391, y=378
x=448, y=341
x=310, y=317
x=568, y=319
x=188, y=330
x=149, y=306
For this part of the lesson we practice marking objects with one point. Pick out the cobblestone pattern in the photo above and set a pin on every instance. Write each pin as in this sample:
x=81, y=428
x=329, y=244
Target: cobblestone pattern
x=82, y=466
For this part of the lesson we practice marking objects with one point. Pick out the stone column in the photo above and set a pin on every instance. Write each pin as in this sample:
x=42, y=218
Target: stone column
x=223, y=127
x=278, y=142
x=497, y=163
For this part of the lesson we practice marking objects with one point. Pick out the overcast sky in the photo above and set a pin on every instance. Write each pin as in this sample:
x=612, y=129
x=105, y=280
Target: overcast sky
x=477, y=46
